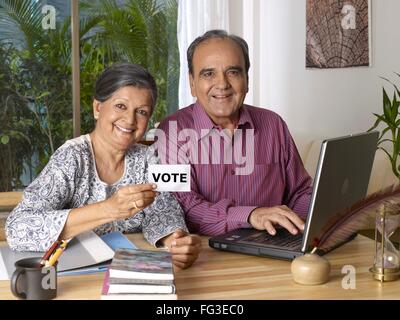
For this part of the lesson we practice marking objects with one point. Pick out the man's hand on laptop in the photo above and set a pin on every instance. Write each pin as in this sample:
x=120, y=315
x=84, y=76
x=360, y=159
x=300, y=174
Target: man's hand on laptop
x=265, y=218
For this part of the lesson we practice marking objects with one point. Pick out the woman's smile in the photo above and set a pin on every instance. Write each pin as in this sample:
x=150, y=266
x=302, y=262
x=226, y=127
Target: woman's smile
x=124, y=129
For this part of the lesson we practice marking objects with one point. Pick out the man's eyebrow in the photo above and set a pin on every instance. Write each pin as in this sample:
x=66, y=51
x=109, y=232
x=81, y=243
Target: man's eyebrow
x=202, y=71
x=237, y=68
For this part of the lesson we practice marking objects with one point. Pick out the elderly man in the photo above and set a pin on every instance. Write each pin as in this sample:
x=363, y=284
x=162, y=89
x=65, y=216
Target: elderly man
x=268, y=187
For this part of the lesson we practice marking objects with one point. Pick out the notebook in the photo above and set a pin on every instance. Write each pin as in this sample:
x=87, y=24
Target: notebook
x=341, y=179
x=115, y=240
x=86, y=253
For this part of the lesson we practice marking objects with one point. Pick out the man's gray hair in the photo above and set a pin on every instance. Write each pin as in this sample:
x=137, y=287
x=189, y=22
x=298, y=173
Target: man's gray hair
x=222, y=34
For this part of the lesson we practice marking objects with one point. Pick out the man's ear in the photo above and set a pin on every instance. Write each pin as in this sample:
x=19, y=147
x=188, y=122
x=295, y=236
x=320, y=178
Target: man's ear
x=96, y=108
x=192, y=86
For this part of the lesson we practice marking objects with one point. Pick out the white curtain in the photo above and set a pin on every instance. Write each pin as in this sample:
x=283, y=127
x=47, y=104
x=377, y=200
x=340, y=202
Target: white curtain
x=194, y=18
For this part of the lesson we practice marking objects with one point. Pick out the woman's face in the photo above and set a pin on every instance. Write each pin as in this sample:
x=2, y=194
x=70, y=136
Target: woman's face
x=122, y=119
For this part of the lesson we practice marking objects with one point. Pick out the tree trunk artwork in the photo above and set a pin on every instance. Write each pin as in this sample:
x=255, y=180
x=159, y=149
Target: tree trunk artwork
x=337, y=33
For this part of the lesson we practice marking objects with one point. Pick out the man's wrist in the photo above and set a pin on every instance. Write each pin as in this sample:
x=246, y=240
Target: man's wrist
x=238, y=217
x=251, y=212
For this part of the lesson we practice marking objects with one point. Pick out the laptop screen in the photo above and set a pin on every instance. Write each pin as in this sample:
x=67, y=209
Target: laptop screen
x=341, y=179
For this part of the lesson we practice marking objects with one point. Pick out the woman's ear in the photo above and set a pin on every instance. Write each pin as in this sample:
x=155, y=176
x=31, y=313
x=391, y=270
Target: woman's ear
x=96, y=108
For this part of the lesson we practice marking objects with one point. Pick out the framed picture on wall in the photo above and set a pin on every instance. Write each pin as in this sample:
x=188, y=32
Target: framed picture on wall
x=338, y=33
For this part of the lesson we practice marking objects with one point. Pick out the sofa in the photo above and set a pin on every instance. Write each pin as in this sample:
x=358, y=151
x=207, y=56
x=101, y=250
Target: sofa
x=381, y=175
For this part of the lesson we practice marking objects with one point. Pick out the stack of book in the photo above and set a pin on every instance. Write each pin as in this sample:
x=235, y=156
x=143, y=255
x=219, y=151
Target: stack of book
x=139, y=274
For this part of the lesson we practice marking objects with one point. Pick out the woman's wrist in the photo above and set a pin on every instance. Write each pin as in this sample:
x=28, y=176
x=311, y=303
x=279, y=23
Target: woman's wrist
x=107, y=213
x=165, y=242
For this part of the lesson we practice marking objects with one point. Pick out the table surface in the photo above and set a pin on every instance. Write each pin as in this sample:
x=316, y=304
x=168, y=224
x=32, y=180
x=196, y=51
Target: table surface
x=8, y=200
x=223, y=275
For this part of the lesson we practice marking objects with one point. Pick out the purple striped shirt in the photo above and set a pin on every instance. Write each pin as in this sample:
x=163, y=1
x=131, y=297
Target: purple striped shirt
x=221, y=200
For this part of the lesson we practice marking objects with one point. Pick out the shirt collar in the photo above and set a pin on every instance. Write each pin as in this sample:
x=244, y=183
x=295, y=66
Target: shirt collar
x=245, y=119
x=202, y=121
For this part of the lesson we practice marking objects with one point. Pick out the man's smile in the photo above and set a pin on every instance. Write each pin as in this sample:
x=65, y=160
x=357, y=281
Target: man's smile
x=222, y=97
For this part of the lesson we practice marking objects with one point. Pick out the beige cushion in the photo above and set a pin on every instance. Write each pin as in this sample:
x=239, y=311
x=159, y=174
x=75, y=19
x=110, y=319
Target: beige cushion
x=311, y=160
x=381, y=174
x=303, y=143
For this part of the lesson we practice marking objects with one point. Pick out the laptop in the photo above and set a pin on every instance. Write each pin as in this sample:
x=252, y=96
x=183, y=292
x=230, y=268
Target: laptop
x=341, y=179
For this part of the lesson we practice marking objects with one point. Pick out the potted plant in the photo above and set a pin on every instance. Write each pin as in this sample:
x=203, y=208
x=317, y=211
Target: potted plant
x=389, y=121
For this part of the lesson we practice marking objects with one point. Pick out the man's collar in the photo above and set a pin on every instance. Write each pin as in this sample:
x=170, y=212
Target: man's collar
x=245, y=118
x=204, y=125
x=202, y=122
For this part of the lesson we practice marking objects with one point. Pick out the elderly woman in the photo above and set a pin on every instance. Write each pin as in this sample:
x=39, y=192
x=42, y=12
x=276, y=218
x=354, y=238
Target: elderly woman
x=98, y=181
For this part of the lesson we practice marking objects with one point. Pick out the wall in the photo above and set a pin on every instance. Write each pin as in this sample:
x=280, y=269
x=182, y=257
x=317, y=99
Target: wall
x=314, y=103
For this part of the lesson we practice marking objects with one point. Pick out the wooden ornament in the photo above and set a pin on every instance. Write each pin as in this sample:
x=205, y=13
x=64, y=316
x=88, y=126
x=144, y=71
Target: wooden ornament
x=310, y=269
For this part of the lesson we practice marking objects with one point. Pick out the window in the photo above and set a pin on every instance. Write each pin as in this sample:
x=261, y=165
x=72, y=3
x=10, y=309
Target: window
x=35, y=74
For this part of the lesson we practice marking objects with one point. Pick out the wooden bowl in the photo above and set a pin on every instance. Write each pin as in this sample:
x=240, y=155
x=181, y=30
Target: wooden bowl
x=310, y=269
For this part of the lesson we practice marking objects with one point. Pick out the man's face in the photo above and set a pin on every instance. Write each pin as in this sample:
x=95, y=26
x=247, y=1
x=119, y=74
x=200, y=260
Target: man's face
x=219, y=79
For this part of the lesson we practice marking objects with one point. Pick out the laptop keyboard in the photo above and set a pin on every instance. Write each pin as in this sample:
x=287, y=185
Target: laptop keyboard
x=283, y=238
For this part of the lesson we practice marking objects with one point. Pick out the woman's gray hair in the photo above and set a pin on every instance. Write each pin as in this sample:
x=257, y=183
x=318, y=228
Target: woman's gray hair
x=222, y=34
x=120, y=75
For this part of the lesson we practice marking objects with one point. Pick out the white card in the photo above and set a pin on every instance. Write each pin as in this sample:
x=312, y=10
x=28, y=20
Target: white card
x=170, y=177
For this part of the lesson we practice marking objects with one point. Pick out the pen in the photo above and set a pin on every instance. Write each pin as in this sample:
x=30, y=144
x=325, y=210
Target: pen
x=49, y=252
x=53, y=259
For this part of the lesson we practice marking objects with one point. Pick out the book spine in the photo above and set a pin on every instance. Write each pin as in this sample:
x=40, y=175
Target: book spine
x=106, y=283
x=140, y=281
x=140, y=289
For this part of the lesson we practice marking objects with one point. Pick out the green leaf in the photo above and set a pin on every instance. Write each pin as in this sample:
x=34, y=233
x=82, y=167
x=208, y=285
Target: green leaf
x=387, y=108
x=395, y=106
x=397, y=143
x=4, y=139
x=387, y=153
x=387, y=140
x=44, y=94
x=381, y=117
x=384, y=131
x=396, y=88
x=379, y=120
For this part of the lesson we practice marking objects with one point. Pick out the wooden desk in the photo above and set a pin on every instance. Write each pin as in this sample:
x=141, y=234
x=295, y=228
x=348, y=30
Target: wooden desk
x=223, y=275
x=8, y=200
